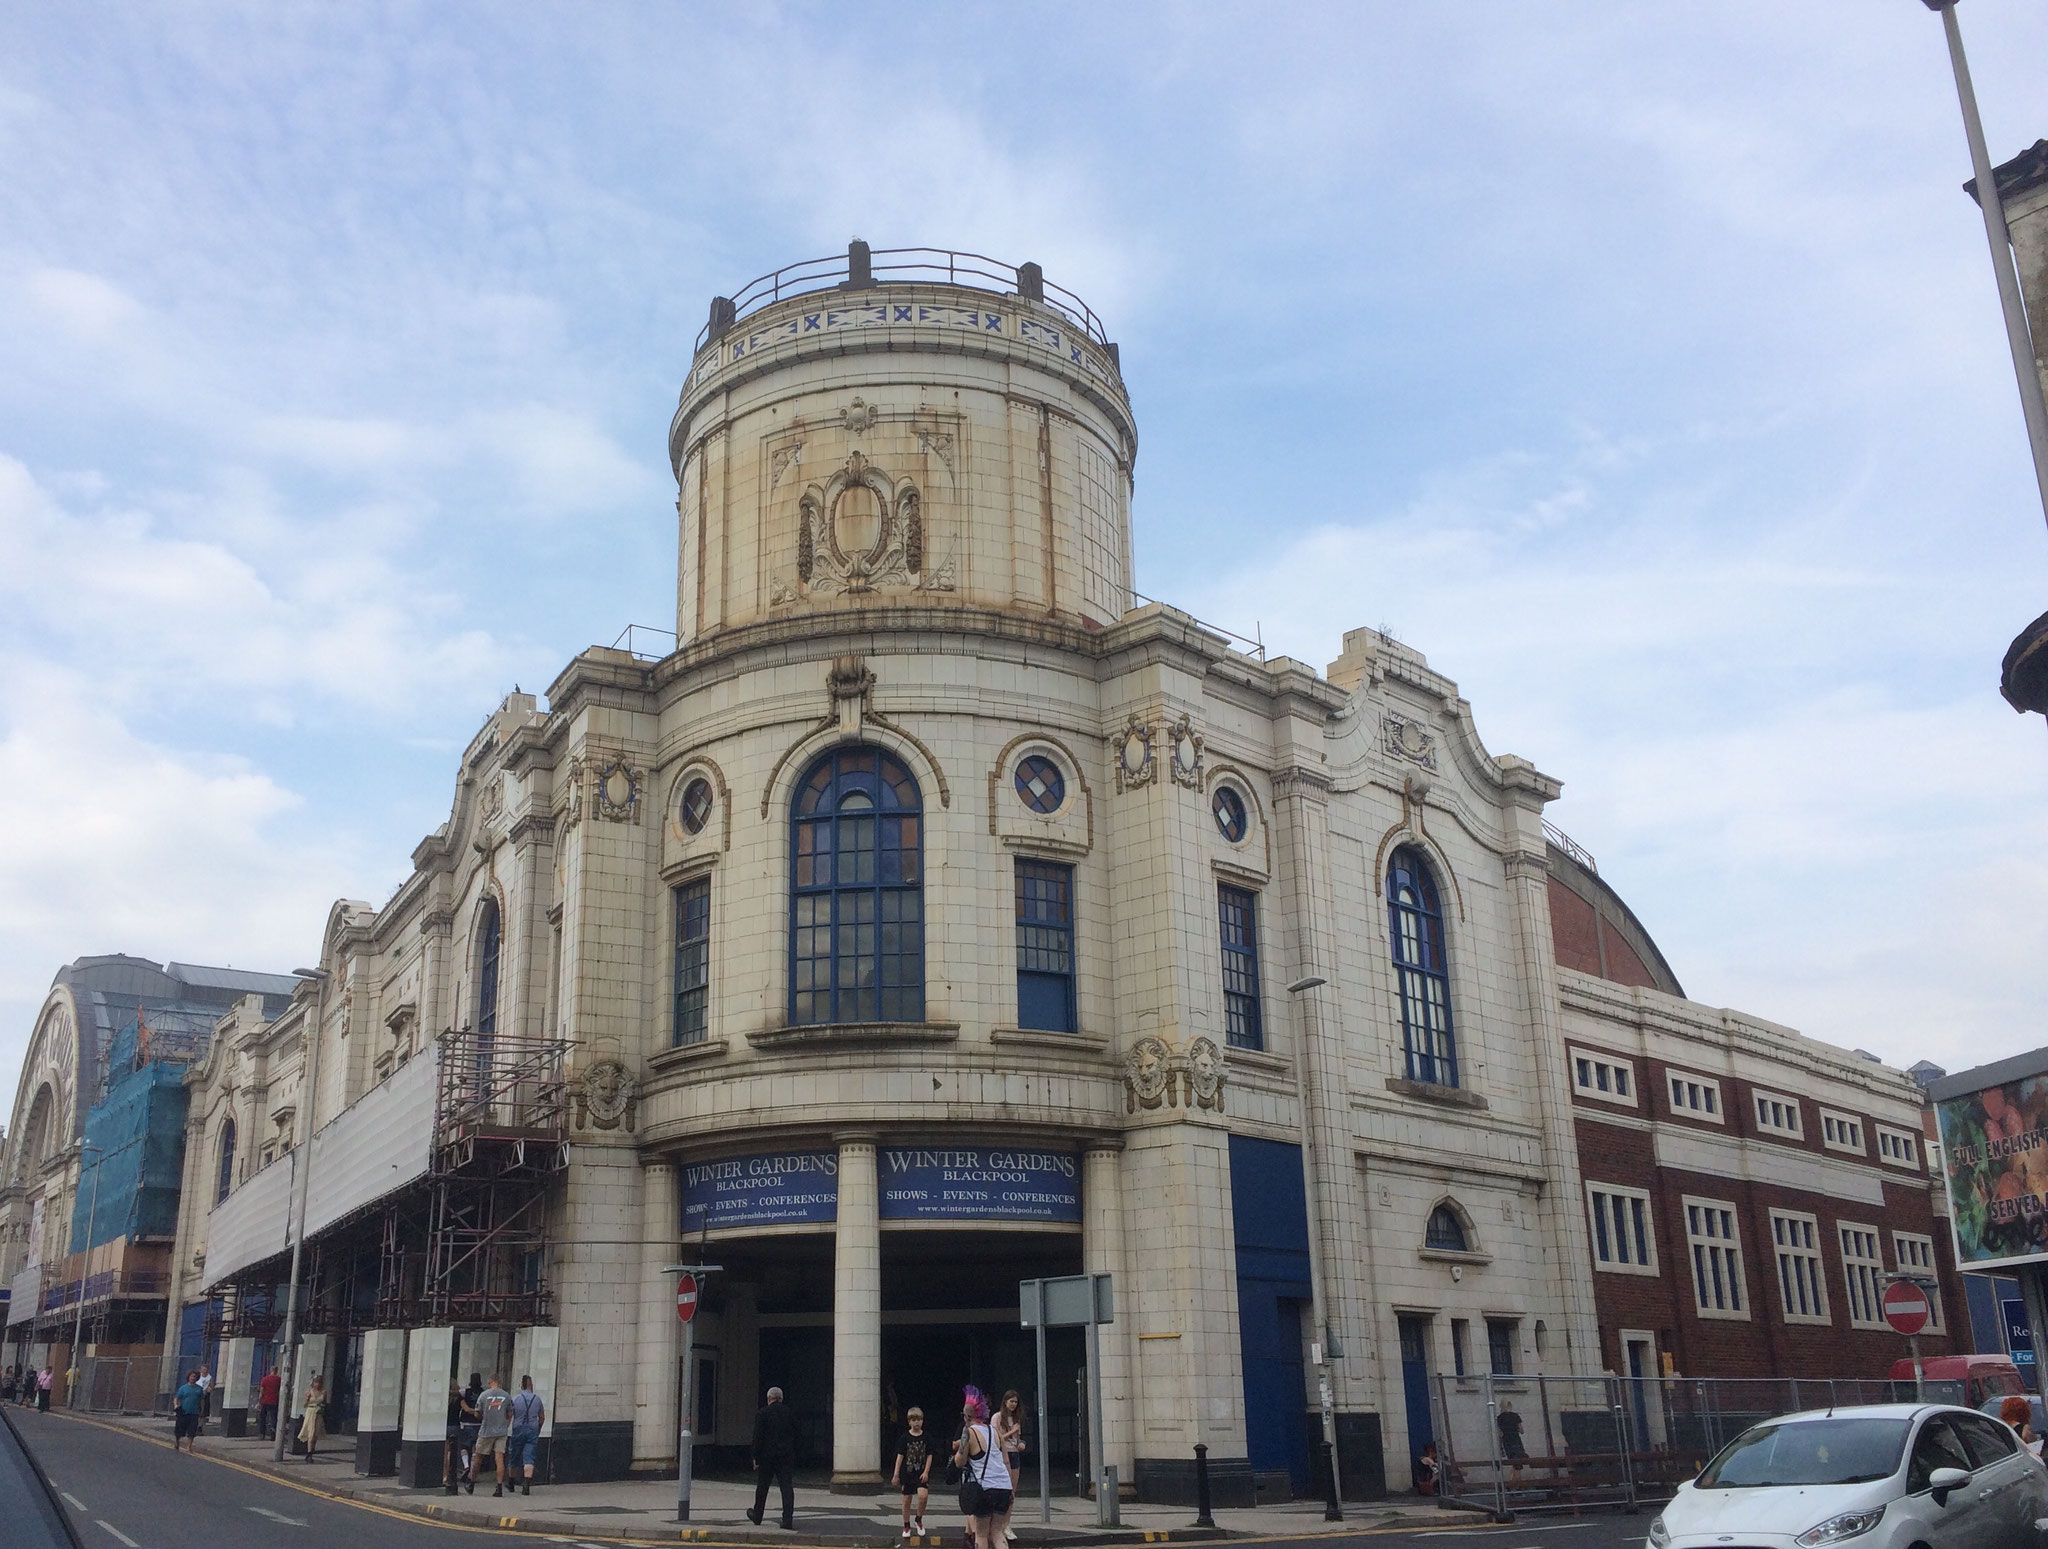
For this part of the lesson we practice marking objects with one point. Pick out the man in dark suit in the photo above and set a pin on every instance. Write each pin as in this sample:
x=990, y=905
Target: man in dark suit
x=774, y=1457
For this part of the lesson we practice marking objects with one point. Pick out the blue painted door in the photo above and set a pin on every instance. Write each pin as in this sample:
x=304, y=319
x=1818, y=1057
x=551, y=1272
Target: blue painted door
x=1415, y=1383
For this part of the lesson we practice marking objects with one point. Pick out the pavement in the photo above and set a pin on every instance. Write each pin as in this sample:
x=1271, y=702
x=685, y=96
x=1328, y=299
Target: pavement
x=644, y=1511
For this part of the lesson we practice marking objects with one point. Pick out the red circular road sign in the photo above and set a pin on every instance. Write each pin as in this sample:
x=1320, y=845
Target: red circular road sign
x=686, y=1298
x=1905, y=1307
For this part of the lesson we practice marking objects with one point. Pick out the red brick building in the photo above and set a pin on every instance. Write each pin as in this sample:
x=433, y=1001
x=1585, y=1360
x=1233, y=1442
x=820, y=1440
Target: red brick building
x=1748, y=1189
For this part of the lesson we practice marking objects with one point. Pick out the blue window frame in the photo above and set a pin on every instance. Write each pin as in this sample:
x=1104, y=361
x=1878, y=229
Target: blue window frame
x=693, y=960
x=1423, y=982
x=856, y=939
x=1239, y=911
x=1045, y=946
x=227, y=1162
x=490, y=933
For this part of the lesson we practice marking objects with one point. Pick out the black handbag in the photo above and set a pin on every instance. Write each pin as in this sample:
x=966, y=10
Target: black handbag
x=970, y=1486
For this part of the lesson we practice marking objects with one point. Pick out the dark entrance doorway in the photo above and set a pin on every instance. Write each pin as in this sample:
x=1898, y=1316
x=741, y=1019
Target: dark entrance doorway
x=1415, y=1382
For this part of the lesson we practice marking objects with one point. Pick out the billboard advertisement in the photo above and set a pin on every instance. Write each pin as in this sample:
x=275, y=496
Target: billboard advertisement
x=1994, y=1148
x=979, y=1183
x=770, y=1188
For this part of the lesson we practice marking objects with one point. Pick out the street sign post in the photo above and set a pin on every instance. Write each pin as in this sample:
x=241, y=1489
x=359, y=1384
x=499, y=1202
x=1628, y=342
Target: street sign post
x=1086, y=1301
x=1907, y=1304
x=687, y=1287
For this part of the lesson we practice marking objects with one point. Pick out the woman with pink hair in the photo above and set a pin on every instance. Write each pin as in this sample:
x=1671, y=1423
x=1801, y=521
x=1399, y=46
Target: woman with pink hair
x=986, y=1490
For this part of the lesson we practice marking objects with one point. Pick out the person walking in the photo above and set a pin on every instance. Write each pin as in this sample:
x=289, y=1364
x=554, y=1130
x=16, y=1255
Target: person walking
x=529, y=1414
x=266, y=1404
x=774, y=1458
x=494, y=1425
x=452, y=1455
x=185, y=1412
x=986, y=1492
x=314, y=1426
x=1009, y=1429
x=44, y=1379
x=913, y=1472
x=2019, y=1414
x=470, y=1422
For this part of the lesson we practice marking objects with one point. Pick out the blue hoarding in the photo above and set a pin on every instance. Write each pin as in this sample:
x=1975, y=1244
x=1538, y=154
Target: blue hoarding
x=770, y=1188
x=2019, y=1338
x=979, y=1183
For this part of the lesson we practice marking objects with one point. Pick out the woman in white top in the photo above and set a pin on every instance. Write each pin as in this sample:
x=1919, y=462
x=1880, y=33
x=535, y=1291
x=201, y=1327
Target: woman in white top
x=984, y=1465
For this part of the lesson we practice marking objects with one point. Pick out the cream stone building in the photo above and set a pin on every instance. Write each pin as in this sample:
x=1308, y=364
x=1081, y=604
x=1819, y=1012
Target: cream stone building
x=930, y=919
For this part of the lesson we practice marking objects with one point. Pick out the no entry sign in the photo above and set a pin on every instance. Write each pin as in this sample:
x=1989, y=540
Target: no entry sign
x=686, y=1298
x=1905, y=1307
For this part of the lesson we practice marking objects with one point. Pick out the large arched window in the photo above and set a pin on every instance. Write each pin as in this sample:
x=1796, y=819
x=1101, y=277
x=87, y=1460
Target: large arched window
x=227, y=1162
x=856, y=938
x=489, y=938
x=1416, y=922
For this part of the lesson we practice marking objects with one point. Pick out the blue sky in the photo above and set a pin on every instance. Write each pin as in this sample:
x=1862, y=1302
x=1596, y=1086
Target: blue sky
x=1641, y=365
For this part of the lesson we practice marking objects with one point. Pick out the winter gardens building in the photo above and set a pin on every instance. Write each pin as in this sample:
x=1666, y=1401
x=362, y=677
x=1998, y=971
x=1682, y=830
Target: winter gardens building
x=933, y=918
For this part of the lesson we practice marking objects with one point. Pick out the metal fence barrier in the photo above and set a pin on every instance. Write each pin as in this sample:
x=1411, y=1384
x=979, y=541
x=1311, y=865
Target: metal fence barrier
x=114, y=1384
x=1507, y=1445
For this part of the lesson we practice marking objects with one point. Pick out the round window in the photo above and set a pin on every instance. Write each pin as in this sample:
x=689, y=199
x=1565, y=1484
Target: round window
x=1040, y=784
x=696, y=808
x=1229, y=809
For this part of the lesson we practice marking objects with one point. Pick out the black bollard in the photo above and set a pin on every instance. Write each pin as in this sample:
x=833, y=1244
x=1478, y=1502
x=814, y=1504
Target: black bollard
x=1332, y=1511
x=1203, y=1516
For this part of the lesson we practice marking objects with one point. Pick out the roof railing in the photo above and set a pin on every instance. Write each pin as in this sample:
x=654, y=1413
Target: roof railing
x=863, y=268
x=1570, y=846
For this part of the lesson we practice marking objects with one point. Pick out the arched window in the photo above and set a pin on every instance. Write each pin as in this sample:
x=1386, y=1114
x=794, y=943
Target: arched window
x=1445, y=1232
x=490, y=937
x=1416, y=922
x=856, y=938
x=227, y=1162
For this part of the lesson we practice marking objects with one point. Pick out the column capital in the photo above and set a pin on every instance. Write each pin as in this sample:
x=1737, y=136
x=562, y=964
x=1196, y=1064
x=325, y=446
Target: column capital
x=855, y=1137
x=660, y=1163
x=1108, y=1144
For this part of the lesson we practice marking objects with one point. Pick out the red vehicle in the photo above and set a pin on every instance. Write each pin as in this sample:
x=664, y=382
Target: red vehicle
x=1981, y=1378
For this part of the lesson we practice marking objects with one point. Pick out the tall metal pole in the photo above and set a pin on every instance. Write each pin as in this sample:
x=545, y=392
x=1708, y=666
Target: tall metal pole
x=1311, y=1176
x=303, y=1161
x=78, y=1327
x=1044, y=1473
x=2016, y=335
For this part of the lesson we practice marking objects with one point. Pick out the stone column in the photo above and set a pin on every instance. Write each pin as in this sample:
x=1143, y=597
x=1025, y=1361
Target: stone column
x=661, y=1345
x=429, y=1357
x=857, y=1320
x=380, y=1409
x=1102, y=1253
x=237, y=1361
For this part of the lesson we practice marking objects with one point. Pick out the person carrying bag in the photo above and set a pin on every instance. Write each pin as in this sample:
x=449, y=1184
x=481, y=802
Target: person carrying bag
x=985, y=1488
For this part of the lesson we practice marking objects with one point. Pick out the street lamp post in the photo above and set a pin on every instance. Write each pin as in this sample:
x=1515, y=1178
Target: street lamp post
x=289, y=1355
x=78, y=1325
x=1324, y=1345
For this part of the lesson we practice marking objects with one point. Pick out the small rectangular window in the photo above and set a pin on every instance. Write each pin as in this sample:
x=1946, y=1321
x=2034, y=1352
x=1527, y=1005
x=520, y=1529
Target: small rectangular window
x=1695, y=1097
x=1863, y=1272
x=1802, y=1287
x=1898, y=1147
x=1715, y=1246
x=1045, y=946
x=1622, y=1237
x=1841, y=1132
x=1913, y=1252
x=1239, y=911
x=1500, y=1346
x=693, y=961
x=1460, y=1327
x=1605, y=1078
x=1778, y=1115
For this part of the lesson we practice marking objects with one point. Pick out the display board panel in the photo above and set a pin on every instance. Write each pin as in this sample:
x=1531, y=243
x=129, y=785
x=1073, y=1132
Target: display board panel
x=979, y=1183
x=768, y=1188
x=1994, y=1154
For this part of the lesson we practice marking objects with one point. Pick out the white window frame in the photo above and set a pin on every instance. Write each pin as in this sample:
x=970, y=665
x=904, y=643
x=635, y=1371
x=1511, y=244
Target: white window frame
x=1587, y=1066
x=1599, y=1198
x=1862, y=1273
x=1796, y=1237
x=1762, y=1102
x=1904, y=1139
x=1844, y=1125
x=1913, y=1253
x=1711, y=1248
x=1705, y=1087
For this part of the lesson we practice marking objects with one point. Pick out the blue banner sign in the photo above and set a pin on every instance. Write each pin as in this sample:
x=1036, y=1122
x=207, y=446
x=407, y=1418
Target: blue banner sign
x=772, y=1188
x=977, y=1183
x=2019, y=1338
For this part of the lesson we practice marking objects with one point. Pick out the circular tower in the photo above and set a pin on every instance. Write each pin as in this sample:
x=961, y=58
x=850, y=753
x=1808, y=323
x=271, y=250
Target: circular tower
x=907, y=426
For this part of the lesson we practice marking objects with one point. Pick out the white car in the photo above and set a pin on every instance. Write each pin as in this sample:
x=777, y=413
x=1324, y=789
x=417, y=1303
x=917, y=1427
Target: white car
x=1880, y=1476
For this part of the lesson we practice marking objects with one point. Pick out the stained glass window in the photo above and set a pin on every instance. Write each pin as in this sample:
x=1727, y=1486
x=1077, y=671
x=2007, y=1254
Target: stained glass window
x=1228, y=807
x=696, y=806
x=1040, y=784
